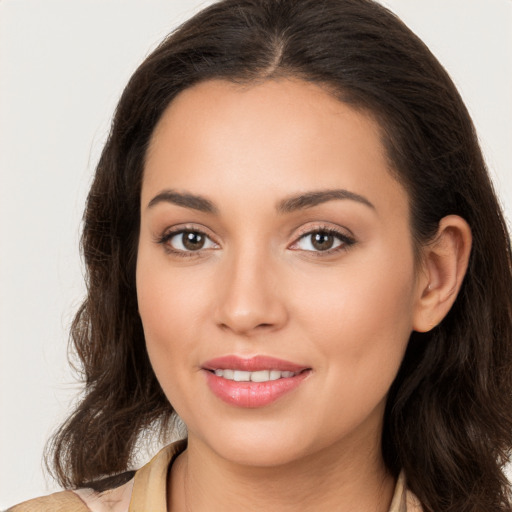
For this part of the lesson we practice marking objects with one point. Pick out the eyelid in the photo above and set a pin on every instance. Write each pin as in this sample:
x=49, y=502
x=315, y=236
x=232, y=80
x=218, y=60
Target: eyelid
x=171, y=231
x=313, y=227
x=343, y=234
x=178, y=228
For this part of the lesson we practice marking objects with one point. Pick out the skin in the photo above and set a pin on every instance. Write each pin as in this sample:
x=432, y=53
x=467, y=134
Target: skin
x=259, y=287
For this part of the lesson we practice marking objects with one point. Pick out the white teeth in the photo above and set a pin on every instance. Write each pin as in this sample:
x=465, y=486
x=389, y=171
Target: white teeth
x=259, y=376
x=241, y=376
x=227, y=374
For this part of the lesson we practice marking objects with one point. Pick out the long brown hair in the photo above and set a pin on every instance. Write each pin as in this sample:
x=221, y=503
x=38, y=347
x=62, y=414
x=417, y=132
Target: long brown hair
x=448, y=421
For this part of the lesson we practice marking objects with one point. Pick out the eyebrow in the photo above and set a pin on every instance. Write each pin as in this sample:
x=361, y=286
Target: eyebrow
x=184, y=199
x=288, y=205
x=310, y=199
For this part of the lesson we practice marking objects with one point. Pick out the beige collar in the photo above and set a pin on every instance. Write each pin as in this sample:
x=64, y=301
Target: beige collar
x=148, y=489
x=150, y=482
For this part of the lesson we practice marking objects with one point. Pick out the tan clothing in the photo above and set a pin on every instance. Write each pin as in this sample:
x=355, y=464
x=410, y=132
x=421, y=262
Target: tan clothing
x=147, y=492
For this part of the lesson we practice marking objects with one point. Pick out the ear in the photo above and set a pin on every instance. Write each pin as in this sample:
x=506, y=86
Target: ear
x=444, y=264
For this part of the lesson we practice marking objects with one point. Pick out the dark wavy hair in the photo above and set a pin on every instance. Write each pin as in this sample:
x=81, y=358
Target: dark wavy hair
x=449, y=412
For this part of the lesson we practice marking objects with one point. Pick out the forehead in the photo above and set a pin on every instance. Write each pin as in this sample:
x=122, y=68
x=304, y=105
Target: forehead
x=291, y=108
x=273, y=138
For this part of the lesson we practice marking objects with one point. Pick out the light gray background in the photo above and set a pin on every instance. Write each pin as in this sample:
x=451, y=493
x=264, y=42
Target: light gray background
x=63, y=64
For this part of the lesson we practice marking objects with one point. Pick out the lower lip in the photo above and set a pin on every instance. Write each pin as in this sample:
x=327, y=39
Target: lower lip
x=252, y=394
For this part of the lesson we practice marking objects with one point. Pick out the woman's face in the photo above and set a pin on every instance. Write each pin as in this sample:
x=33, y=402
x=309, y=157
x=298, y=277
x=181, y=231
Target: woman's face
x=275, y=276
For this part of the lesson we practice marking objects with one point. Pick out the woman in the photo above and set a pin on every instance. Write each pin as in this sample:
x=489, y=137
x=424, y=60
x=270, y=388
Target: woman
x=288, y=243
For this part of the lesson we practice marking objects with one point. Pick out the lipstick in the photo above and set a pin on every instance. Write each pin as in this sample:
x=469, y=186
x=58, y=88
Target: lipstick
x=252, y=382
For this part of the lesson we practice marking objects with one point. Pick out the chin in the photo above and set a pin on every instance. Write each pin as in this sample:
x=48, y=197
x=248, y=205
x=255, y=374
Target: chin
x=260, y=452
x=269, y=443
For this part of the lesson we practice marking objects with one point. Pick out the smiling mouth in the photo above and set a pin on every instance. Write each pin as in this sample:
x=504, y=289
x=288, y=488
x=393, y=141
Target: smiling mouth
x=256, y=376
x=255, y=381
x=253, y=389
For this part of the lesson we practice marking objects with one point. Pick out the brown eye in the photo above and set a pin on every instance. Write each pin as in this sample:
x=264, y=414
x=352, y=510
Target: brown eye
x=193, y=241
x=188, y=241
x=322, y=241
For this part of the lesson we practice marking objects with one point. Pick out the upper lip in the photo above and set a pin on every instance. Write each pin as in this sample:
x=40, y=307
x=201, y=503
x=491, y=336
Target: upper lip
x=252, y=364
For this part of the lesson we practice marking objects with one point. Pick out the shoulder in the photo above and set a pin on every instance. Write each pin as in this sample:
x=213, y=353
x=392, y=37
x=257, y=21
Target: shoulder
x=65, y=501
x=147, y=486
x=112, y=500
x=81, y=500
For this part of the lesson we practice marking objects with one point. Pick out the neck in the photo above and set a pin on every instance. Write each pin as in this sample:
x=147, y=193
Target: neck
x=337, y=478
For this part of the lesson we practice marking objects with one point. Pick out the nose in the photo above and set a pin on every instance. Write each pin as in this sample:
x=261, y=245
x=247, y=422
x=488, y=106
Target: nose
x=250, y=298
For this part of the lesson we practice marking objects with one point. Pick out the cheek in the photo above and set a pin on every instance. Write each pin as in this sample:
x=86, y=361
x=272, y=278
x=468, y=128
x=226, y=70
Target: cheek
x=171, y=301
x=360, y=323
x=361, y=316
x=169, y=297
x=157, y=302
x=372, y=291
x=164, y=343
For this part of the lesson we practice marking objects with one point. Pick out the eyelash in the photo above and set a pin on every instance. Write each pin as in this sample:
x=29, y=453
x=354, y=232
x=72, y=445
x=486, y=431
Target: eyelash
x=345, y=241
x=168, y=235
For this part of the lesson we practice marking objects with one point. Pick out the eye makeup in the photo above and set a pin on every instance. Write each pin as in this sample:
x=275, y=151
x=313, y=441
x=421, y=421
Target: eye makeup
x=191, y=240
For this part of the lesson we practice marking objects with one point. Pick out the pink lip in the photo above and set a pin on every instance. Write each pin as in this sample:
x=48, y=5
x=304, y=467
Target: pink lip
x=252, y=394
x=252, y=364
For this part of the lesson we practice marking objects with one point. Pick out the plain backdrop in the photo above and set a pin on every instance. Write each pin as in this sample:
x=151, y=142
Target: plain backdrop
x=63, y=65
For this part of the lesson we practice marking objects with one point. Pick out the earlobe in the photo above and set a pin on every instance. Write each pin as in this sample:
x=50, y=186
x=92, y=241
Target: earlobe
x=445, y=261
